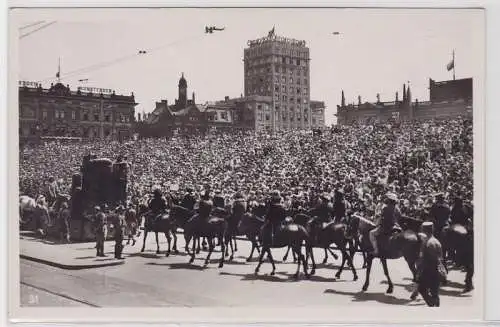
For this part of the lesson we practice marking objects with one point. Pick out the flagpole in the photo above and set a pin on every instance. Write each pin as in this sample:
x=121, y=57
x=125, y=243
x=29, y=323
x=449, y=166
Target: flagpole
x=453, y=64
x=59, y=71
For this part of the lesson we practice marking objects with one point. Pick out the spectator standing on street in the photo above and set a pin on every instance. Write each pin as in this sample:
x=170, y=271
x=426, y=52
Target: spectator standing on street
x=119, y=228
x=64, y=216
x=101, y=230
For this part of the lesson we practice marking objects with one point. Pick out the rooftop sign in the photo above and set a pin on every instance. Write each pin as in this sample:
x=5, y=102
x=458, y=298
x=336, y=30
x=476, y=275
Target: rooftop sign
x=28, y=84
x=94, y=90
x=274, y=38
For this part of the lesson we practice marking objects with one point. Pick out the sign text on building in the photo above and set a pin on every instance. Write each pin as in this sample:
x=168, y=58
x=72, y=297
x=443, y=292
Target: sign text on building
x=28, y=84
x=94, y=90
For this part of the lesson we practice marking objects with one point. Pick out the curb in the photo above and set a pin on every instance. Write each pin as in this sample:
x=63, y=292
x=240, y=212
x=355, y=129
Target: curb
x=71, y=267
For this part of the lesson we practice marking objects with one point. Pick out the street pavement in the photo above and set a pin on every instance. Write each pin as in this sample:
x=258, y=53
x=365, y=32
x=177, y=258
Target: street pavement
x=150, y=280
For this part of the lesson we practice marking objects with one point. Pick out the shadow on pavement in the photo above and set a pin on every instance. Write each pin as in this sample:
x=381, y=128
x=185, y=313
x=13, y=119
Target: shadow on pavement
x=267, y=277
x=444, y=291
x=376, y=297
x=186, y=265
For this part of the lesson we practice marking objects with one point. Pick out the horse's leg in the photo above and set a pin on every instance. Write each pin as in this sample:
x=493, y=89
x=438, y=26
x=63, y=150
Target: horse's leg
x=286, y=254
x=144, y=240
x=254, y=246
x=326, y=257
x=261, y=257
x=344, y=259
x=157, y=243
x=221, y=263
x=204, y=244
x=297, y=251
x=335, y=256
x=386, y=272
x=368, y=271
x=174, y=235
x=346, y=256
x=270, y=256
x=309, y=251
x=198, y=250
x=210, y=250
x=411, y=264
x=232, y=249
x=194, y=249
x=169, y=240
x=235, y=244
x=468, y=277
x=187, y=239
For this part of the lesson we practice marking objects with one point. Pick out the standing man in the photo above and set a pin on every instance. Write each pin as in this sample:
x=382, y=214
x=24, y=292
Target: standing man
x=64, y=216
x=120, y=225
x=430, y=266
x=77, y=207
x=101, y=230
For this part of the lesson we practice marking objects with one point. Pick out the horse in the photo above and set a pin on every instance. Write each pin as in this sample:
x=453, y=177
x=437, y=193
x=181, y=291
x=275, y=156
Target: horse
x=210, y=227
x=288, y=234
x=30, y=209
x=322, y=235
x=400, y=243
x=249, y=225
x=303, y=219
x=460, y=239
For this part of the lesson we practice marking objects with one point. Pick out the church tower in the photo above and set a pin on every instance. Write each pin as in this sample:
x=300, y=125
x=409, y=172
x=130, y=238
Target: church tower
x=182, y=92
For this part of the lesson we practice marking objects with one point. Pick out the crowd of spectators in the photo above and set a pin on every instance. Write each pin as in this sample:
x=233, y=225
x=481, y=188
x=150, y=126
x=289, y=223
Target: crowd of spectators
x=414, y=160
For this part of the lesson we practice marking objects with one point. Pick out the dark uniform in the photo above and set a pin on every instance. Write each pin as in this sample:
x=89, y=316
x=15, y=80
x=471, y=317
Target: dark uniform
x=157, y=206
x=429, y=275
x=77, y=207
x=219, y=201
x=275, y=216
x=458, y=213
x=120, y=172
x=339, y=208
x=439, y=215
x=188, y=201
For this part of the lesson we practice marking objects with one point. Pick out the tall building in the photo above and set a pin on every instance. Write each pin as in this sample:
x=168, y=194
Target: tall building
x=278, y=67
x=87, y=113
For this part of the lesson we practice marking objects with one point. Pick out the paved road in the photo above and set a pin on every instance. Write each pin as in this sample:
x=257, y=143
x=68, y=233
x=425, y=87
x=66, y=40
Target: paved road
x=153, y=280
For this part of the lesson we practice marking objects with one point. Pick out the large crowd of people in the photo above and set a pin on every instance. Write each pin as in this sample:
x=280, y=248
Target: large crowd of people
x=415, y=160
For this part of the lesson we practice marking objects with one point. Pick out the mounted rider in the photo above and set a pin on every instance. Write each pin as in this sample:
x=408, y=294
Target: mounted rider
x=276, y=214
x=324, y=210
x=389, y=218
x=239, y=205
x=189, y=199
x=157, y=205
x=340, y=206
x=439, y=213
x=219, y=201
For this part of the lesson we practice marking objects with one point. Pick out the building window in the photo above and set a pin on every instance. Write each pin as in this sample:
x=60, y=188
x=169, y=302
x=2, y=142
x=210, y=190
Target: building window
x=224, y=115
x=298, y=100
x=276, y=88
x=268, y=117
x=291, y=79
x=73, y=115
x=85, y=116
x=61, y=114
x=283, y=60
x=298, y=62
x=96, y=117
x=107, y=118
x=44, y=115
x=56, y=114
x=305, y=101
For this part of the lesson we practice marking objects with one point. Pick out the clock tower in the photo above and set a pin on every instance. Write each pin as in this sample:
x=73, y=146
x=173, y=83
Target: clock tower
x=182, y=92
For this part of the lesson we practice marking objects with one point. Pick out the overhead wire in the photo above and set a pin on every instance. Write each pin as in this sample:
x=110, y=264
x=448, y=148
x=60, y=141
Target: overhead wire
x=109, y=63
x=32, y=24
x=36, y=30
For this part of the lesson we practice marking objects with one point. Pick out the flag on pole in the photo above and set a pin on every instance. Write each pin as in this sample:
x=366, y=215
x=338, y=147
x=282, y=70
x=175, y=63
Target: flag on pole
x=451, y=64
x=58, y=75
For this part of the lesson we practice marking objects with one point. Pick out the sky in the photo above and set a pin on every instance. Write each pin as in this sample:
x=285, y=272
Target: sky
x=376, y=52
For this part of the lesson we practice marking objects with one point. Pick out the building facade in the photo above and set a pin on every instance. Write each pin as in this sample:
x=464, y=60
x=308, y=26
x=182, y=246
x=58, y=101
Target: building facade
x=86, y=113
x=278, y=67
x=448, y=99
x=185, y=116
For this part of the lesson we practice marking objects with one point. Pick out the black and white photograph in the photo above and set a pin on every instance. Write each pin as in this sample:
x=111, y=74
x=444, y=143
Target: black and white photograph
x=239, y=159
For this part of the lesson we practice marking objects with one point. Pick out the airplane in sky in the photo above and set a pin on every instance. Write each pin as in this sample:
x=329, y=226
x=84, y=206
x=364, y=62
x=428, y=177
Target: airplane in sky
x=211, y=29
